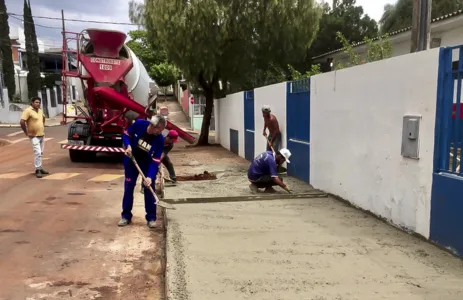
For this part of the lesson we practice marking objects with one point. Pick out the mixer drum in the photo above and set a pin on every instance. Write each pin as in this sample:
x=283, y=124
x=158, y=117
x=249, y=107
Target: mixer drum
x=137, y=81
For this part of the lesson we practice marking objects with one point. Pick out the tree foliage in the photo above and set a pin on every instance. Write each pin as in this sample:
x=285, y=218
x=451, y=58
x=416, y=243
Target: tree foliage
x=231, y=41
x=346, y=18
x=149, y=53
x=32, y=50
x=5, y=51
x=164, y=74
x=296, y=75
x=399, y=15
x=376, y=50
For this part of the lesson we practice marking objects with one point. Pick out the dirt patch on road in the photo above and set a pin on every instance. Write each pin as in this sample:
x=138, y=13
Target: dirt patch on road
x=205, y=176
x=4, y=143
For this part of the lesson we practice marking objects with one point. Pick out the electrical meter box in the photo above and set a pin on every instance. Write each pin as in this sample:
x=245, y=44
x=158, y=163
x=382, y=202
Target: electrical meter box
x=410, y=136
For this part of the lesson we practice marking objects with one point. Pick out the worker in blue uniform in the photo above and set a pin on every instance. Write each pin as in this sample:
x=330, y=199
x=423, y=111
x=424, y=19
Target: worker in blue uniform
x=144, y=140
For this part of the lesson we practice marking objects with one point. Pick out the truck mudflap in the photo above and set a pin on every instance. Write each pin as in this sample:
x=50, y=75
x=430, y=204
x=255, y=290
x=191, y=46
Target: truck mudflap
x=93, y=148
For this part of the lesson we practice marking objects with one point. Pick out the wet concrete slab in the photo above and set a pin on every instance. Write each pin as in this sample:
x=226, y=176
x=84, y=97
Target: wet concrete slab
x=316, y=248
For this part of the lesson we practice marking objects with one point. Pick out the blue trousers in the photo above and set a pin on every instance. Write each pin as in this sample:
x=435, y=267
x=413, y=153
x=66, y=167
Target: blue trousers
x=131, y=175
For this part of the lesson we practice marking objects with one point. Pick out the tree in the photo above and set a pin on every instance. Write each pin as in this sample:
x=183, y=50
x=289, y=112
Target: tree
x=378, y=50
x=165, y=74
x=227, y=41
x=296, y=75
x=347, y=18
x=149, y=53
x=32, y=51
x=399, y=15
x=5, y=51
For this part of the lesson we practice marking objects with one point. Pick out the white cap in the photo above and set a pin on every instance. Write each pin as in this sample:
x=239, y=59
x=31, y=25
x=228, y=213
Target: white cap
x=266, y=108
x=285, y=153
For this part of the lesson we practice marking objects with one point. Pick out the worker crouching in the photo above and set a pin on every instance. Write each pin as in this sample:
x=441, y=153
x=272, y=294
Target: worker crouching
x=263, y=172
x=169, y=141
x=144, y=140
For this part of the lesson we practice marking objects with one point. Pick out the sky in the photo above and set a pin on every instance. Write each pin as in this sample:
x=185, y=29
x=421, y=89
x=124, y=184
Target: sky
x=374, y=8
x=100, y=10
x=108, y=11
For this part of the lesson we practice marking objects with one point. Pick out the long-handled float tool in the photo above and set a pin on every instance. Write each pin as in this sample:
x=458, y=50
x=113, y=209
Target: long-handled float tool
x=270, y=144
x=160, y=203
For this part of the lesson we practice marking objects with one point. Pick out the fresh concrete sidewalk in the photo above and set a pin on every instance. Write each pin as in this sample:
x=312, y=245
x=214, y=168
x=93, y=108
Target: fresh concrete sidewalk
x=300, y=249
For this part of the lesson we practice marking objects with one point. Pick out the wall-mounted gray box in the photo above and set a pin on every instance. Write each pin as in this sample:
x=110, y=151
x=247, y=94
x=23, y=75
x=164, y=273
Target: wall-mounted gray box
x=410, y=136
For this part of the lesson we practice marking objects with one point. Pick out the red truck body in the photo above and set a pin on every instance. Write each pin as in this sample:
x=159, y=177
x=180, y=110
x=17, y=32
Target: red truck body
x=108, y=104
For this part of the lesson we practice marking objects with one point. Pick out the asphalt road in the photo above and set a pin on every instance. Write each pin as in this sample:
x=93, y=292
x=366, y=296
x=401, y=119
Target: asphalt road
x=58, y=235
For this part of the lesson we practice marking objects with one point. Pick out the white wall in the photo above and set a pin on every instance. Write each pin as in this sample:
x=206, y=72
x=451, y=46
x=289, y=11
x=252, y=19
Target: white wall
x=53, y=111
x=217, y=120
x=356, y=134
x=9, y=115
x=231, y=116
x=275, y=96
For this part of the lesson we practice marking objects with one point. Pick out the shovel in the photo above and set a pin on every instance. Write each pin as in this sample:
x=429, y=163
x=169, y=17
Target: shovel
x=160, y=203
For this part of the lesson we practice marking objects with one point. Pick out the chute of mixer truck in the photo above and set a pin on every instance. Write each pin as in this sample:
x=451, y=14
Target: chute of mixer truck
x=115, y=86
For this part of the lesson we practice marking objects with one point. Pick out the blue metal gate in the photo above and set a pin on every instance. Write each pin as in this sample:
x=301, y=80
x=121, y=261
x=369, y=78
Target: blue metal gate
x=298, y=128
x=249, y=125
x=447, y=187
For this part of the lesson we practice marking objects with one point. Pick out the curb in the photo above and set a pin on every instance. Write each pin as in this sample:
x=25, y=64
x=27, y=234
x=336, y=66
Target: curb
x=164, y=258
x=313, y=194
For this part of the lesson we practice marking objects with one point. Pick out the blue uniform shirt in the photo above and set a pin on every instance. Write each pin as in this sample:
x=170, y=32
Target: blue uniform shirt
x=146, y=148
x=264, y=164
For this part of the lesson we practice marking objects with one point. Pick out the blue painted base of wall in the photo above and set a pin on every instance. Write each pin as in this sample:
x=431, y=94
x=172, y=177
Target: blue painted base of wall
x=447, y=212
x=300, y=161
x=249, y=145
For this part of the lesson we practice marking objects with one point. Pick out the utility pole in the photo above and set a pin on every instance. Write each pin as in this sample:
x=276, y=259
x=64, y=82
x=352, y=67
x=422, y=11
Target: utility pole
x=2, y=82
x=64, y=38
x=421, y=25
x=64, y=68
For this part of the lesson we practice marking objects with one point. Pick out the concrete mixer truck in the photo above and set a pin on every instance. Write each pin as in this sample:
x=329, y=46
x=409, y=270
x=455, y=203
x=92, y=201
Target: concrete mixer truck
x=115, y=86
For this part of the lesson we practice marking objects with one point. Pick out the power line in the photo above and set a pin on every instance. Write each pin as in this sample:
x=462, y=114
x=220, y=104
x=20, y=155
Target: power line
x=39, y=25
x=76, y=20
